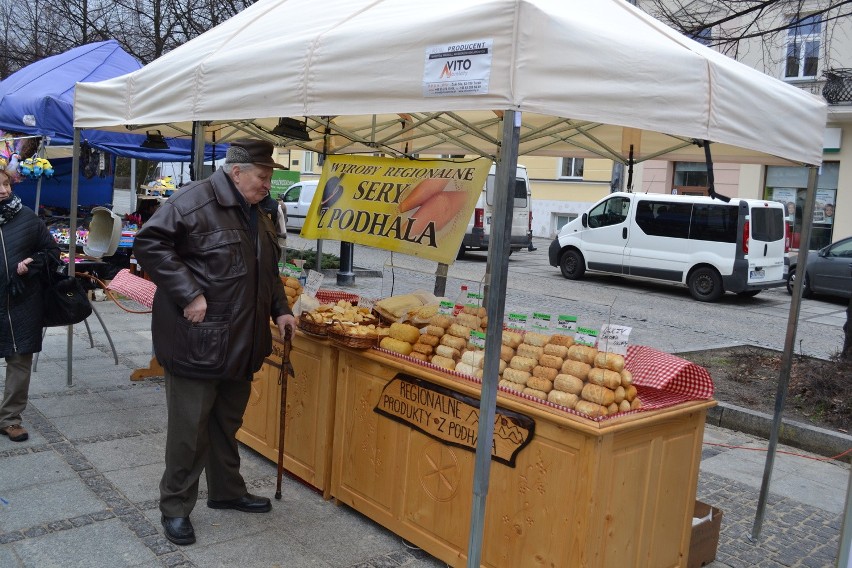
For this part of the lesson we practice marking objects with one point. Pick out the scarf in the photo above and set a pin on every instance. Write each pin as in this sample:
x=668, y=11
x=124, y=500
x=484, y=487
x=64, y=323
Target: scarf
x=9, y=207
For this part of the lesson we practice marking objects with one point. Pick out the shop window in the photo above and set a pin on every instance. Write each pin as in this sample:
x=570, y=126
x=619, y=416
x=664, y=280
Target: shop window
x=563, y=219
x=690, y=178
x=789, y=186
x=571, y=168
x=802, y=47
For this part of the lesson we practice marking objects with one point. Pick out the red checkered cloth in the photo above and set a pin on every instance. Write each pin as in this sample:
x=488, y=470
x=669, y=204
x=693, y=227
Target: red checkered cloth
x=136, y=288
x=667, y=373
x=326, y=296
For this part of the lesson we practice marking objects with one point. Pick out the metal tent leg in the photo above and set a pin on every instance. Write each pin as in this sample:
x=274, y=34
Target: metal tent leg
x=106, y=331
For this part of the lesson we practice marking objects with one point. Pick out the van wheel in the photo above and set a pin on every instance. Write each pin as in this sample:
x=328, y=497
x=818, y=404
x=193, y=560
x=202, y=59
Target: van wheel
x=705, y=284
x=572, y=265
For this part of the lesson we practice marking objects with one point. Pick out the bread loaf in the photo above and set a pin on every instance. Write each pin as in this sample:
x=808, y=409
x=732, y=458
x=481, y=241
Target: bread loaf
x=473, y=358
x=516, y=376
x=422, y=348
x=551, y=361
x=626, y=378
x=447, y=351
x=511, y=339
x=467, y=320
x=590, y=408
x=563, y=340
x=576, y=368
x=537, y=339
x=548, y=373
x=559, y=350
x=441, y=320
x=444, y=362
x=466, y=369
x=604, y=377
x=454, y=342
x=531, y=351
x=582, y=353
x=507, y=384
x=459, y=330
x=404, y=332
x=540, y=384
x=435, y=330
x=396, y=345
x=535, y=393
x=522, y=363
x=429, y=339
x=611, y=361
x=506, y=353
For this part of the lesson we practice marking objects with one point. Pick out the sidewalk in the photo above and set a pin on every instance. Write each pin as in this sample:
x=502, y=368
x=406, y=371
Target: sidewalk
x=82, y=491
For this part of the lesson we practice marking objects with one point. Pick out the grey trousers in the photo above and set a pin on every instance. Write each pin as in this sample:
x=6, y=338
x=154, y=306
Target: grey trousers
x=203, y=419
x=18, y=371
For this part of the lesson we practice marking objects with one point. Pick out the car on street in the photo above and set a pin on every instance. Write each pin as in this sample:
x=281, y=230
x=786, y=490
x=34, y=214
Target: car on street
x=827, y=271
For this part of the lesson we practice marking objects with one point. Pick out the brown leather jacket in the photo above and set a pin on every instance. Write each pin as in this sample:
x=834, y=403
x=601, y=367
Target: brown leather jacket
x=199, y=241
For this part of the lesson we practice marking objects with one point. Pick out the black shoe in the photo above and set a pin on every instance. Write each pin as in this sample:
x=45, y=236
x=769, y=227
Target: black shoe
x=178, y=530
x=248, y=503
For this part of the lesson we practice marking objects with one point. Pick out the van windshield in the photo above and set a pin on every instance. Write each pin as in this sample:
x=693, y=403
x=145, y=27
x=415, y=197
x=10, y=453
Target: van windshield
x=520, y=191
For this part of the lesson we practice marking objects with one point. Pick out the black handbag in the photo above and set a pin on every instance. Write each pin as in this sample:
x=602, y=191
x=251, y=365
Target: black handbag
x=65, y=302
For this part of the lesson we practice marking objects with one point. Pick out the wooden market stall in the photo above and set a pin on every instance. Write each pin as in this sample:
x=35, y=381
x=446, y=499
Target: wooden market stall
x=566, y=490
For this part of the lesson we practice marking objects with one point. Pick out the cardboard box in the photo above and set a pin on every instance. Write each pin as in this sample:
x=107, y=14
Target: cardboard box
x=705, y=535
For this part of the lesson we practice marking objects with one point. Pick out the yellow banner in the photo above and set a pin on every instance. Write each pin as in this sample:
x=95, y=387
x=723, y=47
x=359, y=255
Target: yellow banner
x=416, y=207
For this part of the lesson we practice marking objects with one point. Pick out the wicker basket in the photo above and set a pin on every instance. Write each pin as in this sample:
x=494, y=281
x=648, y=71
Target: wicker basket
x=353, y=341
x=312, y=327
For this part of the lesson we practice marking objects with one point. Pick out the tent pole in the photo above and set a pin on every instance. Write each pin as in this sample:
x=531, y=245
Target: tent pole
x=133, y=188
x=789, y=348
x=198, y=150
x=72, y=241
x=498, y=260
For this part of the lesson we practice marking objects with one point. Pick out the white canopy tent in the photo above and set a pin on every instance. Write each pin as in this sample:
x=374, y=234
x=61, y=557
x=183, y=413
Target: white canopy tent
x=570, y=78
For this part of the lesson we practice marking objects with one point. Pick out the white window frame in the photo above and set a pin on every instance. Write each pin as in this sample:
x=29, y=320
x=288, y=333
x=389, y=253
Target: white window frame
x=802, y=37
x=572, y=168
x=308, y=162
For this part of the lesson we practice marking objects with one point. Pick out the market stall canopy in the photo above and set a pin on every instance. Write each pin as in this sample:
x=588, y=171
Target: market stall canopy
x=39, y=100
x=591, y=79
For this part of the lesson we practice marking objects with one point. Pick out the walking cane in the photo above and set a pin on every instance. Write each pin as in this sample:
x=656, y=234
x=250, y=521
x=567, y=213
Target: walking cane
x=285, y=371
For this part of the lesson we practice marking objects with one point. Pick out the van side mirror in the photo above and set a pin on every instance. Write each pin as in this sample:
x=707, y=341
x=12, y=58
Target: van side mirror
x=585, y=220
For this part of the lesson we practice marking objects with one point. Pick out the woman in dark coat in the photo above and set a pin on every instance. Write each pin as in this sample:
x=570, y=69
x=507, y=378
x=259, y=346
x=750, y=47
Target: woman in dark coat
x=26, y=251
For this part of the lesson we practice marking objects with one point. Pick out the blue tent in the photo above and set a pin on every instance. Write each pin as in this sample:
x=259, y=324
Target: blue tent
x=39, y=100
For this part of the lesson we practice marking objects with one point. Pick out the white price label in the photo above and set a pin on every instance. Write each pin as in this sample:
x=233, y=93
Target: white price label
x=586, y=336
x=541, y=322
x=477, y=339
x=614, y=338
x=567, y=324
x=446, y=308
x=314, y=282
x=516, y=321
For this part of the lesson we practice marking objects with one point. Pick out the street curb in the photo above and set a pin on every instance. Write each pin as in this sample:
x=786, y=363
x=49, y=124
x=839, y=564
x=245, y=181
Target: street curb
x=796, y=434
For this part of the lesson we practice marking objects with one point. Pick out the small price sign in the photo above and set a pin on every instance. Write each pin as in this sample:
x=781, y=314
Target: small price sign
x=586, y=336
x=368, y=303
x=516, y=321
x=567, y=324
x=614, y=338
x=474, y=299
x=314, y=282
x=477, y=339
x=541, y=322
x=290, y=270
x=446, y=308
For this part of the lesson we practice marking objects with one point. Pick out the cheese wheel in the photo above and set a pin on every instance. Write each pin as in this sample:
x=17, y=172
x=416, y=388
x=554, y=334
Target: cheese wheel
x=454, y=342
x=604, y=377
x=444, y=362
x=395, y=345
x=565, y=399
x=590, y=408
x=404, y=332
x=559, y=350
x=506, y=353
x=422, y=348
x=545, y=372
x=441, y=320
x=568, y=383
x=582, y=353
x=291, y=282
x=447, y=351
x=623, y=406
x=611, y=361
x=466, y=369
x=551, y=361
x=507, y=384
x=612, y=409
x=635, y=403
x=459, y=330
x=435, y=330
x=537, y=339
x=576, y=368
x=473, y=358
x=419, y=356
x=626, y=378
x=531, y=351
x=596, y=393
x=540, y=384
x=522, y=363
x=630, y=393
x=512, y=339
x=468, y=320
x=535, y=393
x=516, y=376
x=620, y=395
x=563, y=340
x=429, y=339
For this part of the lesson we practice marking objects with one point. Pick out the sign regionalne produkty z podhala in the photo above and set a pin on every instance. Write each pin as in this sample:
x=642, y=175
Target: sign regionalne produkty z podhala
x=416, y=207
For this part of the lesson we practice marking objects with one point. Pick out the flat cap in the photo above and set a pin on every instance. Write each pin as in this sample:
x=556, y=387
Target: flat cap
x=252, y=151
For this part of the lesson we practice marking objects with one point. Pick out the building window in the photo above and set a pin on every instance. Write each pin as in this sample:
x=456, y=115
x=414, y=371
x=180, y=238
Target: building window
x=802, y=49
x=307, y=162
x=571, y=168
x=690, y=178
x=564, y=218
x=789, y=185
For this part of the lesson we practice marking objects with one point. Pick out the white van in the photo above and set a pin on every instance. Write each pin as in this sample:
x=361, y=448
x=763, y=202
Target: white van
x=478, y=233
x=297, y=198
x=705, y=244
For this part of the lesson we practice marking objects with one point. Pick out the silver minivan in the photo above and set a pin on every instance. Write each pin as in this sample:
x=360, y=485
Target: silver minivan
x=297, y=198
x=708, y=245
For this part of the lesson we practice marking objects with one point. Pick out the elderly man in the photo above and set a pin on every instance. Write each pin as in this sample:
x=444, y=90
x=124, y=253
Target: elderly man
x=213, y=254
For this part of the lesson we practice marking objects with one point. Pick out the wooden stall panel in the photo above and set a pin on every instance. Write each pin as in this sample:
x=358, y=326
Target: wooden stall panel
x=260, y=418
x=367, y=446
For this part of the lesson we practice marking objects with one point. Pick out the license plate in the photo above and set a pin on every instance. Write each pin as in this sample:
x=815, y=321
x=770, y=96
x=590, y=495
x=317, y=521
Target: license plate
x=756, y=275
x=488, y=219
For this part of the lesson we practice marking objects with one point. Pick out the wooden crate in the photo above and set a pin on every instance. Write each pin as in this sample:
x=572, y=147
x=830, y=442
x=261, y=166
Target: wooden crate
x=309, y=427
x=581, y=493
